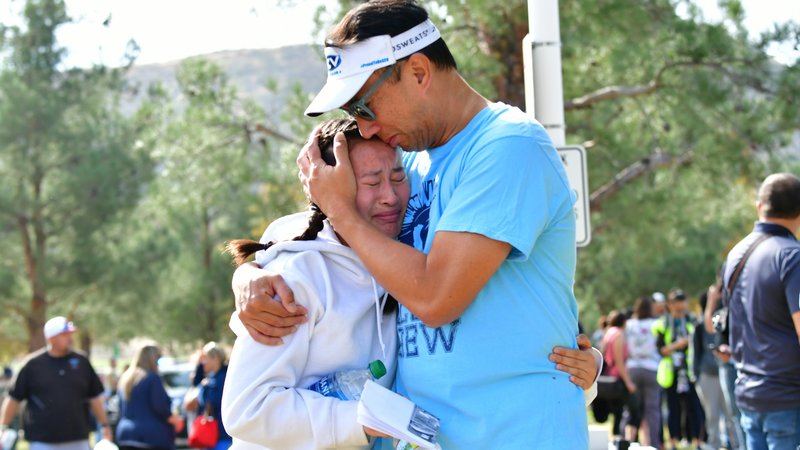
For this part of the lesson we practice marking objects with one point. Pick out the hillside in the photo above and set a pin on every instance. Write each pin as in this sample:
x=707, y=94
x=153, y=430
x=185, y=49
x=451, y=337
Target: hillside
x=249, y=71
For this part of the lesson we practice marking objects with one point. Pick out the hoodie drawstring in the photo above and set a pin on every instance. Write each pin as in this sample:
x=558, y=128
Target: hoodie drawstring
x=379, y=304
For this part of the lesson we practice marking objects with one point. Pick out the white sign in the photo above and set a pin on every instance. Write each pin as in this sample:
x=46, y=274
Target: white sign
x=574, y=159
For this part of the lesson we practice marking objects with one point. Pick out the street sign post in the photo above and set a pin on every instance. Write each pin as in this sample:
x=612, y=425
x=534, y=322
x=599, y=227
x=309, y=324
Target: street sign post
x=574, y=159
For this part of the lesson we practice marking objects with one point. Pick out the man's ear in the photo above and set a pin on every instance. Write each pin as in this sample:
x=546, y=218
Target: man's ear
x=420, y=68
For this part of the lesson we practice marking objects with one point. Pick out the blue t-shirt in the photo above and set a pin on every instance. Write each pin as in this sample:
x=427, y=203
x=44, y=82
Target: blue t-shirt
x=762, y=334
x=487, y=375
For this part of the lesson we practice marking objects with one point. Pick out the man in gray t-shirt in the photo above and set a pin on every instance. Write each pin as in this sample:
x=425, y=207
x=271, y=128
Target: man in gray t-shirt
x=765, y=319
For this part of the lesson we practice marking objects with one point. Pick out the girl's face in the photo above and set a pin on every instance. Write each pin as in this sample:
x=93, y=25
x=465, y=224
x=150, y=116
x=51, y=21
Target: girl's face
x=382, y=189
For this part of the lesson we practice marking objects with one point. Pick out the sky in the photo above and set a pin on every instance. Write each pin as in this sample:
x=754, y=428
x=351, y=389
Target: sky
x=168, y=30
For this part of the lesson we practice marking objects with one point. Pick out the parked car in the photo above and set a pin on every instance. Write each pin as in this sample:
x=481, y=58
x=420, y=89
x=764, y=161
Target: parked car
x=177, y=378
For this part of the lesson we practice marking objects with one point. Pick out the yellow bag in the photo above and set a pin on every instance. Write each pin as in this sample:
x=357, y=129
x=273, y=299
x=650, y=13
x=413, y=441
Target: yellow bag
x=666, y=372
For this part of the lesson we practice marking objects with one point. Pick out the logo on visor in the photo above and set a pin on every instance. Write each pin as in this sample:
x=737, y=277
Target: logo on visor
x=334, y=61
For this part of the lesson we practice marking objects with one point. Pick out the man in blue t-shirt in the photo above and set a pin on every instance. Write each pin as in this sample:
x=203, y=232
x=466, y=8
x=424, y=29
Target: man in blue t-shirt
x=764, y=319
x=486, y=262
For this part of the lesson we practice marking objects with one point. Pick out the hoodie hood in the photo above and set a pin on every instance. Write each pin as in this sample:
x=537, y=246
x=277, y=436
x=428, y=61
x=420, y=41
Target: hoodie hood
x=284, y=229
x=328, y=245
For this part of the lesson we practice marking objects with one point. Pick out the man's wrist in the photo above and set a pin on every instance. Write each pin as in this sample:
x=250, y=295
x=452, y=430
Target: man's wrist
x=345, y=216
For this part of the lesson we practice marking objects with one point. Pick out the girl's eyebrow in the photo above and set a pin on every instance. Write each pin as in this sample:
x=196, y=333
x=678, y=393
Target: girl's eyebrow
x=371, y=174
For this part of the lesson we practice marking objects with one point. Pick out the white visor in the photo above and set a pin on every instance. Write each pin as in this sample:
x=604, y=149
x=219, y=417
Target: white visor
x=350, y=67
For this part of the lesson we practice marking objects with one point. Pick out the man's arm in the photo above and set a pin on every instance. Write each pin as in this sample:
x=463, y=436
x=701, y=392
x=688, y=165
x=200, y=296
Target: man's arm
x=7, y=413
x=714, y=296
x=791, y=282
x=99, y=411
x=437, y=287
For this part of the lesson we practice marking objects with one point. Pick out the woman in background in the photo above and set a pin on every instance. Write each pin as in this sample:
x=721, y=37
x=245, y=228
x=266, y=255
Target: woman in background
x=209, y=398
x=146, y=421
x=642, y=365
x=615, y=353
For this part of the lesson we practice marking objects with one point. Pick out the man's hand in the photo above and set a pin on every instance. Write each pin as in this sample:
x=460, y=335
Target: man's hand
x=265, y=318
x=332, y=188
x=723, y=352
x=303, y=160
x=373, y=432
x=714, y=296
x=580, y=364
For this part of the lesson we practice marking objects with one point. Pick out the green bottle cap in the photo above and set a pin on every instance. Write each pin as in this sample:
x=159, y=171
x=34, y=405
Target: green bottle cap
x=377, y=368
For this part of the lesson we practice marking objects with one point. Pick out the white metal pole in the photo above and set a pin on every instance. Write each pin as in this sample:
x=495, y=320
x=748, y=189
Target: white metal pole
x=544, y=91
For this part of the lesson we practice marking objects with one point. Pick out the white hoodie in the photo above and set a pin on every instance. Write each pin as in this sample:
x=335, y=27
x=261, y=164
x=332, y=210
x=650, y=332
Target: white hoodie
x=265, y=403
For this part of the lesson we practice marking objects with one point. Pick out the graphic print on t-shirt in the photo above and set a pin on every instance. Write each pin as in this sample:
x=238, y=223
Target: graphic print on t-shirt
x=415, y=223
x=414, y=338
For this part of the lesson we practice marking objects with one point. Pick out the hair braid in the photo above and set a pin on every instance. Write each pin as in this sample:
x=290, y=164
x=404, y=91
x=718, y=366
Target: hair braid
x=241, y=249
x=315, y=224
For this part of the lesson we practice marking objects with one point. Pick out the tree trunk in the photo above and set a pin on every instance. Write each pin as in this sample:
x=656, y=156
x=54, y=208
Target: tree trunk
x=206, y=246
x=86, y=342
x=34, y=320
x=506, y=46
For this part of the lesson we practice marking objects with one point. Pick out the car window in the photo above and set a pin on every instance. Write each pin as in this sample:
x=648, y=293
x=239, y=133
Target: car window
x=176, y=379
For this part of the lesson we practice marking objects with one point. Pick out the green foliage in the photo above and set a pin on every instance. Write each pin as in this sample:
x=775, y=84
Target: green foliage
x=213, y=167
x=68, y=172
x=120, y=221
x=716, y=115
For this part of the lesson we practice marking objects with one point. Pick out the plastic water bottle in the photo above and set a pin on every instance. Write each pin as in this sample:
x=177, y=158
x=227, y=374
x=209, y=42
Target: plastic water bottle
x=348, y=384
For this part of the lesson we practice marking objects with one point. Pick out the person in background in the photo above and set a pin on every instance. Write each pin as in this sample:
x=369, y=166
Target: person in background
x=615, y=353
x=111, y=402
x=198, y=374
x=642, y=364
x=727, y=371
x=5, y=385
x=597, y=336
x=705, y=374
x=57, y=383
x=209, y=397
x=659, y=304
x=146, y=420
x=5, y=380
x=764, y=318
x=672, y=331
